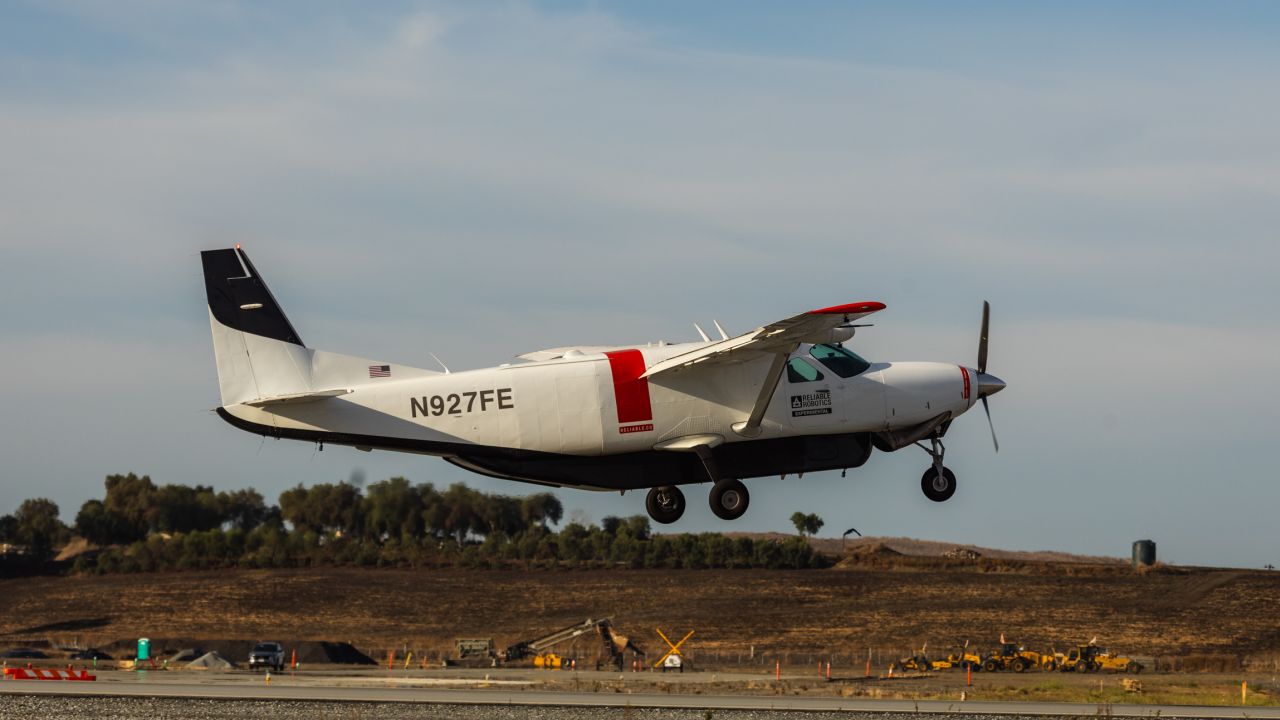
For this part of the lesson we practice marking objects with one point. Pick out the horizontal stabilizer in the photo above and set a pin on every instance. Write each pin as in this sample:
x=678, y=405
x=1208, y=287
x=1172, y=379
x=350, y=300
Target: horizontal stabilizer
x=294, y=398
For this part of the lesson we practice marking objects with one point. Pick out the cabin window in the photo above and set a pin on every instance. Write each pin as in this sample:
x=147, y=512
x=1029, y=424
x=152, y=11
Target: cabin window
x=839, y=361
x=800, y=371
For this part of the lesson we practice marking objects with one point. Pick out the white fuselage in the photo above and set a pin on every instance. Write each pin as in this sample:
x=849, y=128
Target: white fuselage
x=581, y=404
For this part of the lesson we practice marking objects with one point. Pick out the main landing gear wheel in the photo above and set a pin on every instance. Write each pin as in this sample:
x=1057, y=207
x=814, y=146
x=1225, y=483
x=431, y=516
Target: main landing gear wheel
x=729, y=499
x=665, y=504
x=938, y=488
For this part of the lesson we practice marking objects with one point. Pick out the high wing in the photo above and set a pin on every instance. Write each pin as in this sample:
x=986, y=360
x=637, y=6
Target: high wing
x=779, y=337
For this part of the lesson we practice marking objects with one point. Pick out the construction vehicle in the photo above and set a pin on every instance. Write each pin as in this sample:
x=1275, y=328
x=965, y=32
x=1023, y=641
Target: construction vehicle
x=1077, y=659
x=914, y=663
x=1091, y=658
x=917, y=662
x=1116, y=663
x=963, y=660
x=615, y=644
x=1012, y=656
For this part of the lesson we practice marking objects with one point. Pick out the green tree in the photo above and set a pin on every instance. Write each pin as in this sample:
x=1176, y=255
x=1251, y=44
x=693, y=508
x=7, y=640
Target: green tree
x=129, y=500
x=95, y=524
x=462, y=514
x=38, y=526
x=501, y=515
x=541, y=508
x=324, y=508
x=434, y=511
x=181, y=509
x=393, y=509
x=243, y=509
x=806, y=524
x=8, y=529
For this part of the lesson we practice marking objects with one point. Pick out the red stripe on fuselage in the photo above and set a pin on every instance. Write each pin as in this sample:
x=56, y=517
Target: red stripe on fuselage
x=965, y=372
x=630, y=390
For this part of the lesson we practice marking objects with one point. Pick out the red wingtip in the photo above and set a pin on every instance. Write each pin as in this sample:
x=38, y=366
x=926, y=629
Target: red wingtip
x=850, y=309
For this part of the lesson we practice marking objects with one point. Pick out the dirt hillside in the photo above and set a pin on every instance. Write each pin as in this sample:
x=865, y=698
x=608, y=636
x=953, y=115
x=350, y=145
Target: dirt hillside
x=889, y=601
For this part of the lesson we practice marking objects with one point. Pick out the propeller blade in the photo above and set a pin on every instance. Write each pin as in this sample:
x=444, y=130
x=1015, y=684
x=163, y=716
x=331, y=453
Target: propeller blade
x=982, y=339
x=987, y=407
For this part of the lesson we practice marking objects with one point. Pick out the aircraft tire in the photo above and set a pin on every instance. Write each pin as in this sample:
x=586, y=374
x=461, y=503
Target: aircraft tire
x=729, y=499
x=665, y=504
x=938, y=489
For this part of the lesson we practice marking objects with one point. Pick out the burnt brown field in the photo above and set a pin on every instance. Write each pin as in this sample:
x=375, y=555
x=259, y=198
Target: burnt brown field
x=873, y=599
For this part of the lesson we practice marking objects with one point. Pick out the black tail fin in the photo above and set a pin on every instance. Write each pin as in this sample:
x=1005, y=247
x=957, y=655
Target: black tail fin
x=239, y=299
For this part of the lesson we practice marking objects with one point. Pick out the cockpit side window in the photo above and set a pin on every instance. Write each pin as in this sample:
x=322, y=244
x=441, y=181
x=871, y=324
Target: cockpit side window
x=839, y=361
x=800, y=371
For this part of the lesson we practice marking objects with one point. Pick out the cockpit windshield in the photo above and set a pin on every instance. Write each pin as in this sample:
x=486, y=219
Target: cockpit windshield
x=839, y=361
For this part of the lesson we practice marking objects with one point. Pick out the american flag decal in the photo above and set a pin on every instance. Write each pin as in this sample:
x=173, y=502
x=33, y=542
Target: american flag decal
x=376, y=371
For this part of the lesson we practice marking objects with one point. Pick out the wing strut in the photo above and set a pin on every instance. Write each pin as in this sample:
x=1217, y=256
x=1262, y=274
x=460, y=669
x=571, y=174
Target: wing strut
x=751, y=426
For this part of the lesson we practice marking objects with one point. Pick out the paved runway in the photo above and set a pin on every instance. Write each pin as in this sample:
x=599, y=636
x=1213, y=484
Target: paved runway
x=310, y=692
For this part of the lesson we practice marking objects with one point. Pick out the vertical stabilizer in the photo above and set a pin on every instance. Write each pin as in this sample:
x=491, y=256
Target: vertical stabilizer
x=258, y=352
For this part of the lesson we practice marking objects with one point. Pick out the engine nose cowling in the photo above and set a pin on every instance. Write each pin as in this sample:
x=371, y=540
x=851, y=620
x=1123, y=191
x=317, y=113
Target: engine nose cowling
x=919, y=391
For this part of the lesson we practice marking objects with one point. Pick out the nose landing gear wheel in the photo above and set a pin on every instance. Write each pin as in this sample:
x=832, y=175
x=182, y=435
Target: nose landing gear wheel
x=938, y=488
x=665, y=504
x=729, y=499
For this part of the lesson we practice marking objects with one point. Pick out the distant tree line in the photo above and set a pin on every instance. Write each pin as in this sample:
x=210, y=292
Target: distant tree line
x=139, y=526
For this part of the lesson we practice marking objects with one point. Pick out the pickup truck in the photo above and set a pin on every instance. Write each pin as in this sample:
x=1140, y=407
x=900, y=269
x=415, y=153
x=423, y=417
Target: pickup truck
x=268, y=655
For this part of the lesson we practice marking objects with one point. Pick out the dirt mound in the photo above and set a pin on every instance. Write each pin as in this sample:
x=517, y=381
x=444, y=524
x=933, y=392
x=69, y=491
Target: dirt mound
x=211, y=661
x=338, y=653
x=929, y=548
x=870, y=552
x=878, y=548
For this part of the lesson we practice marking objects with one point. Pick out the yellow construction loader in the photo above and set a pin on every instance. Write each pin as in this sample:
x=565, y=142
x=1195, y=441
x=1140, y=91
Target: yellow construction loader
x=1011, y=656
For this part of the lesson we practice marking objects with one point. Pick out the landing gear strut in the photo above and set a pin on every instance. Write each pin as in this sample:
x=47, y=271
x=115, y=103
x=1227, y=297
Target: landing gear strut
x=665, y=504
x=938, y=482
x=729, y=499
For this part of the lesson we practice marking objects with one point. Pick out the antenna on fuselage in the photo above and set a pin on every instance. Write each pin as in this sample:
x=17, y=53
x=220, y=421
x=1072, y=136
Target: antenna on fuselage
x=433, y=357
x=700, y=332
x=723, y=335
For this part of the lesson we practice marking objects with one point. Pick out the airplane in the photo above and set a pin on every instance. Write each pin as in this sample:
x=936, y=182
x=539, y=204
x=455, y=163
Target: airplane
x=787, y=397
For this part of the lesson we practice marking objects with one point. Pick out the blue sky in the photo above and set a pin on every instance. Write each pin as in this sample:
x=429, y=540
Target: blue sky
x=483, y=180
